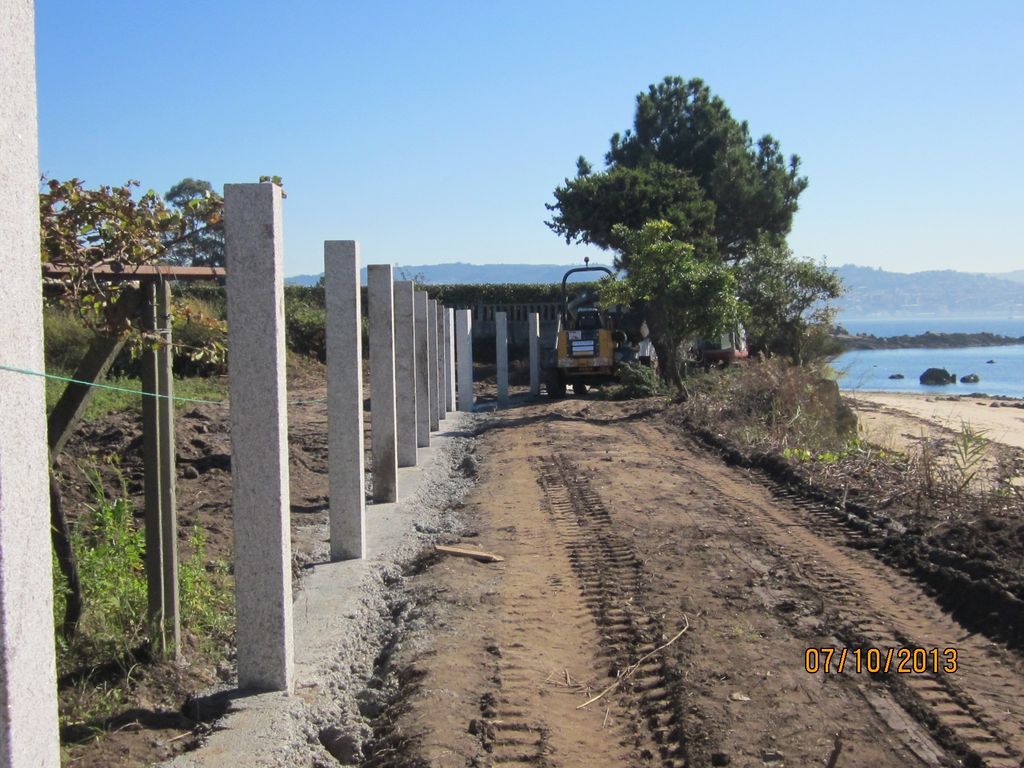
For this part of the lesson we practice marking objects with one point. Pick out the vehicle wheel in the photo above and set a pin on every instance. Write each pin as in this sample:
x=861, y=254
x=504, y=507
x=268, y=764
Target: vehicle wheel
x=579, y=389
x=554, y=383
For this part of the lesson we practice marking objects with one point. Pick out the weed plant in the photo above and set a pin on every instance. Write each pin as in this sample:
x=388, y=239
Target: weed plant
x=110, y=553
x=207, y=597
x=771, y=405
x=99, y=663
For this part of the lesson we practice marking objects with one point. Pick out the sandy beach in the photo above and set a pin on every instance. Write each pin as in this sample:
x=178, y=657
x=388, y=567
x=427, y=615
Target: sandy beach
x=900, y=420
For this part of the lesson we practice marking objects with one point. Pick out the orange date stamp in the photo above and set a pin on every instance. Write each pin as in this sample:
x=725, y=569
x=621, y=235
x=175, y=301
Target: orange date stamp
x=902, y=661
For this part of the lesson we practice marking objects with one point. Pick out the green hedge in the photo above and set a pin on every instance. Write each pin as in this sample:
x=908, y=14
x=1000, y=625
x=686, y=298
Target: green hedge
x=506, y=293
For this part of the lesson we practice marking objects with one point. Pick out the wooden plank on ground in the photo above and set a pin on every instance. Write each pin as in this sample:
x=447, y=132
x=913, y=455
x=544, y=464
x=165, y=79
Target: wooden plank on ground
x=474, y=554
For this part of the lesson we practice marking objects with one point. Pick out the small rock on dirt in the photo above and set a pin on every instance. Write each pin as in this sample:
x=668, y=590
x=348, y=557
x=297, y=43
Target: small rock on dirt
x=720, y=758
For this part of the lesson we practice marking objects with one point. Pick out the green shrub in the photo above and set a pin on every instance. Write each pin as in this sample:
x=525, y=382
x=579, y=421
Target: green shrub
x=200, y=330
x=305, y=327
x=637, y=381
x=508, y=293
x=65, y=339
x=772, y=404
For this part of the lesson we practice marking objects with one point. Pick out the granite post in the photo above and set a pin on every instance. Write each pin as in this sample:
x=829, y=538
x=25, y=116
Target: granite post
x=28, y=677
x=449, y=359
x=254, y=244
x=441, y=410
x=533, y=331
x=501, y=337
x=380, y=296
x=464, y=358
x=405, y=372
x=422, y=371
x=346, y=466
x=432, y=388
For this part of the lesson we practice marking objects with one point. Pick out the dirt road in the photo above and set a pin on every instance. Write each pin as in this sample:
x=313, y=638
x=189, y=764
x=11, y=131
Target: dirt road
x=655, y=607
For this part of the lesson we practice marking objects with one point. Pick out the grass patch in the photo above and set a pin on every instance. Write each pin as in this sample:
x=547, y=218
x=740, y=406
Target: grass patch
x=107, y=401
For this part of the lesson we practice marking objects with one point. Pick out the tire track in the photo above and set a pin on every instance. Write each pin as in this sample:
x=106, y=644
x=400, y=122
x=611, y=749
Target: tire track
x=976, y=711
x=543, y=653
x=612, y=583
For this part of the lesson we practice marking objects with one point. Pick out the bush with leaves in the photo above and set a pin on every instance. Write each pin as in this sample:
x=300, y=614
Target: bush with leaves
x=786, y=298
x=683, y=297
x=636, y=381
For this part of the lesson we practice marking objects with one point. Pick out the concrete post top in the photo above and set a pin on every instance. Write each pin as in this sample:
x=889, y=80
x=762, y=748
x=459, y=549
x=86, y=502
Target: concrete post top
x=257, y=188
x=341, y=247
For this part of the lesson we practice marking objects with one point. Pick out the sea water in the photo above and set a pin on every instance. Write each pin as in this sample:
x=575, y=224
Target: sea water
x=869, y=369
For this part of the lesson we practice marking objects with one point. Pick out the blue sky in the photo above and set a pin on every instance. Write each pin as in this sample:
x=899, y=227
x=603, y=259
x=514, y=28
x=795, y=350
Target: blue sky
x=435, y=132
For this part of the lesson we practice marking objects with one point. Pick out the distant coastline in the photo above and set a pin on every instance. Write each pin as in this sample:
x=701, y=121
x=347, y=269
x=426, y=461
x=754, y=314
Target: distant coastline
x=927, y=340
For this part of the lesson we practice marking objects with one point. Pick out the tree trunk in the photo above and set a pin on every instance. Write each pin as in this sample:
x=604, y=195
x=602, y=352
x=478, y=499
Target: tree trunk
x=666, y=345
x=61, y=536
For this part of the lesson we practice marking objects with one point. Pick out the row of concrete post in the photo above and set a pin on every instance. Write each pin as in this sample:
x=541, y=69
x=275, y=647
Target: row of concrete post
x=412, y=386
x=501, y=336
x=421, y=367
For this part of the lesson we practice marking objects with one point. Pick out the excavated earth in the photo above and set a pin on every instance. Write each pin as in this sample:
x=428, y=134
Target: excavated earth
x=654, y=606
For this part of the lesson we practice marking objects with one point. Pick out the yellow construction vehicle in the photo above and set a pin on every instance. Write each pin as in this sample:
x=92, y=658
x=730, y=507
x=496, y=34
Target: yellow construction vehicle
x=591, y=343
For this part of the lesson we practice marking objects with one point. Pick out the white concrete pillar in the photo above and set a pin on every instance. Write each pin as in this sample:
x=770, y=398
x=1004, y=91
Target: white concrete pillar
x=533, y=332
x=345, y=472
x=28, y=677
x=501, y=337
x=441, y=410
x=380, y=296
x=432, y=363
x=254, y=244
x=449, y=359
x=464, y=358
x=405, y=372
x=422, y=371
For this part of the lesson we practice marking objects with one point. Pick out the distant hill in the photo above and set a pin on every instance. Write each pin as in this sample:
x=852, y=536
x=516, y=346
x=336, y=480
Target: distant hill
x=1016, y=275
x=871, y=292
x=458, y=273
x=877, y=293
x=308, y=280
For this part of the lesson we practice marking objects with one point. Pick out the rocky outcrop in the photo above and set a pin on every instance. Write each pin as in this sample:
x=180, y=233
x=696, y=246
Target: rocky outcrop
x=922, y=341
x=970, y=378
x=897, y=376
x=938, y=377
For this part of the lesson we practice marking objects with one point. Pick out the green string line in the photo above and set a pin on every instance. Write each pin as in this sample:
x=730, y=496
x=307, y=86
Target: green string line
x=113, y=388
